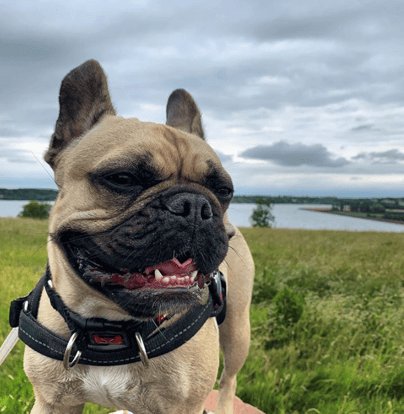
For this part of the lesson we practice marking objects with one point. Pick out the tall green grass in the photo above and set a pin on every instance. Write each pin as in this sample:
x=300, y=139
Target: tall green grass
x=326, y=319
x=342, y=352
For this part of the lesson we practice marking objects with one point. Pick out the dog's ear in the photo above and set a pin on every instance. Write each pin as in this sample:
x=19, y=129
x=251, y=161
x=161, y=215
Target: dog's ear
x=183, y=113
x=84, y=99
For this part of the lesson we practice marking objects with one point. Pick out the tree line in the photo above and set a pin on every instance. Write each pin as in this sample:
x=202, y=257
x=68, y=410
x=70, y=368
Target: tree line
x=39, y=194
x=387, y=203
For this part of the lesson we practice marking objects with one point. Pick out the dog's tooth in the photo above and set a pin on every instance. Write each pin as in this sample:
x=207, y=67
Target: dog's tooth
x=166, y=279
x=173, y=277
x=158, y=275
x=181, y=279
x=193, y=275
x=186, y=278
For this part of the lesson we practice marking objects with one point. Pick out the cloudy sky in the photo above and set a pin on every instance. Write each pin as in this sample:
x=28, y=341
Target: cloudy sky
x=298, y=97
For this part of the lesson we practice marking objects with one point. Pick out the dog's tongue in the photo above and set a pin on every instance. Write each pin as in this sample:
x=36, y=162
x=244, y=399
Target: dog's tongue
x=173, y=267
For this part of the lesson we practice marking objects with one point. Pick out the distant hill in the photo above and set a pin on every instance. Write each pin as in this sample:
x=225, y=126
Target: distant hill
x=335, y=201
x=286, y=199
x=38, y=194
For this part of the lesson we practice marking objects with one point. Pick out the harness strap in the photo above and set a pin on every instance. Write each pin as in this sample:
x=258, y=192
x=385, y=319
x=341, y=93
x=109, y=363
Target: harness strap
x=106, y=343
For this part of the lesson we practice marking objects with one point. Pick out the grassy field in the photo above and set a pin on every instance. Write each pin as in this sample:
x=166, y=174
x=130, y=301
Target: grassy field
x=327, y=319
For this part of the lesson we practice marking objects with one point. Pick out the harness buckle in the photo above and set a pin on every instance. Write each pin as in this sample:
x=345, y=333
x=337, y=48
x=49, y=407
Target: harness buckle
x=66, y=358
x=142, y=349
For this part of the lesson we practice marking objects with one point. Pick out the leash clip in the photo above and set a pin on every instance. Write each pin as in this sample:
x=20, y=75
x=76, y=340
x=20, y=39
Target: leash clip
x=66, y=363
x=142, y=349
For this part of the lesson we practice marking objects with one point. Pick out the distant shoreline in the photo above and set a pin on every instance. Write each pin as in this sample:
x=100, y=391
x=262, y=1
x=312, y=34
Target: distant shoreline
x=48, y=194
x=349, y=214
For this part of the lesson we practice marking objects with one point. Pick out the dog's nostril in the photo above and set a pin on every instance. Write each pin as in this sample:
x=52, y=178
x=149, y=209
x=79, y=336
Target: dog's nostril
x=187, y=209
x=179, y=206
x=191, y=206
x=206, y=211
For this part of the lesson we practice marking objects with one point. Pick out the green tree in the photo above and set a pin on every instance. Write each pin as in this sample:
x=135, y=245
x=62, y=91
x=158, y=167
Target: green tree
x=377, y=208
x=262, y=215
x=36, y=210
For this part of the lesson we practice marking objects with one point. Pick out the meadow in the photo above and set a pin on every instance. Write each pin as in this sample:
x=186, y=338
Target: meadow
x=327, y=319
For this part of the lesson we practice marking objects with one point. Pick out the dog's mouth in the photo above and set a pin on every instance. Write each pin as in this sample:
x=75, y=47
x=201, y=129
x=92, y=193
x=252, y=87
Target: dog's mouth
x=171, y=274
x=133, y=281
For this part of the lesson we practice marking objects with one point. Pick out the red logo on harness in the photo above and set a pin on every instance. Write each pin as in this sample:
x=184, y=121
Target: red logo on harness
x=221, y=299
x=108, y=340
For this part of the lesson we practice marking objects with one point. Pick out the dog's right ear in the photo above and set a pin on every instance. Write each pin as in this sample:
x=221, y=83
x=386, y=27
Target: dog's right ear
x=84, y=99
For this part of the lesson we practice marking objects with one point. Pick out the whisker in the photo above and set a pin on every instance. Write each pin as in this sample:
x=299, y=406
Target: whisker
x=238, y=254
x=47, y=172
x=41, y=247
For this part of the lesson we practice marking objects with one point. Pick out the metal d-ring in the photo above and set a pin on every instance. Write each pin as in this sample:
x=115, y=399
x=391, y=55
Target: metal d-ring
x=142, y=349
x=66, y=363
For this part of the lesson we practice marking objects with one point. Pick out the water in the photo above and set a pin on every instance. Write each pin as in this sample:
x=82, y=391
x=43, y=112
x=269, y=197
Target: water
x=292, y=216
x=286, y=216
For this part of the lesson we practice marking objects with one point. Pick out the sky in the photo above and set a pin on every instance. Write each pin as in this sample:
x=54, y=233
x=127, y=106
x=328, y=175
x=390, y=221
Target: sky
x=298, y=98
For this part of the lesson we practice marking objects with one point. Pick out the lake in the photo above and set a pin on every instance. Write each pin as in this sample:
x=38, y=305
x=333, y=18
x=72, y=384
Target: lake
x=292, y=216
x=289, y=216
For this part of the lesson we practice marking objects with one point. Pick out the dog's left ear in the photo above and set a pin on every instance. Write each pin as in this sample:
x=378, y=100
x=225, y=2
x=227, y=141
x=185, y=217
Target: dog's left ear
x=183, y=113
x=84, y=99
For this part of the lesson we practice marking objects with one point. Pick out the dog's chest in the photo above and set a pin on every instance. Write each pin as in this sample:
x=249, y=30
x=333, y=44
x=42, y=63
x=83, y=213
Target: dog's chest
x=110, y=386
x=135, y=386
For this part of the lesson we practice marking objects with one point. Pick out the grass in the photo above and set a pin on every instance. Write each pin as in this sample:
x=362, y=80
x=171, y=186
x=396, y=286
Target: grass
x=344, y=352
x=327, y=319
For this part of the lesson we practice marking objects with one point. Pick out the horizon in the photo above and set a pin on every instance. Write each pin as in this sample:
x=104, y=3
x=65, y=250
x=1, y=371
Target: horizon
x=257, y=194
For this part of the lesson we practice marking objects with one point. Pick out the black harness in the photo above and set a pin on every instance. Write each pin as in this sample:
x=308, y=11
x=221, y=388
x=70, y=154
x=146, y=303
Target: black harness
x=98, y=341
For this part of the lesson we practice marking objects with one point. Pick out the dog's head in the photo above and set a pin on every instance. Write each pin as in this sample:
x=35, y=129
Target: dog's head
x=140, y=214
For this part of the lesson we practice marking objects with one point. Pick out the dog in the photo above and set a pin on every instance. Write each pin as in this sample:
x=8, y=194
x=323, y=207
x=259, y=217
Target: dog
x=134, y=199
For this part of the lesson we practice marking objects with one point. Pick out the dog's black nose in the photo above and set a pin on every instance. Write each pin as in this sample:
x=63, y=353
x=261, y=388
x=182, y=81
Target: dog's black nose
x=190, y=206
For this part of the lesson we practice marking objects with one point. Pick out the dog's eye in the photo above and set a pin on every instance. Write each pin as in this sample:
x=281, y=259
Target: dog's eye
x=224, y=192
x=121, y=179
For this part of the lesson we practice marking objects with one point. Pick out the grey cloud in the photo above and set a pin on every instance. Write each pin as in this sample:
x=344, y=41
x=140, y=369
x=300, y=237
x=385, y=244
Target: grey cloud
x=294, y=155
x=39, y=54
x=15, y=155
x=359, y=128
x=224, y=158
x=11, y=132
x=382, y=157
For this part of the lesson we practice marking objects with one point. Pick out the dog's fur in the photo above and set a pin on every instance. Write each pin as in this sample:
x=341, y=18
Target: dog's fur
x=137, y=222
